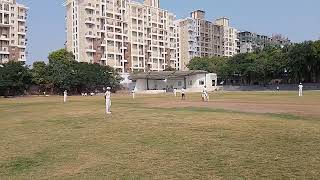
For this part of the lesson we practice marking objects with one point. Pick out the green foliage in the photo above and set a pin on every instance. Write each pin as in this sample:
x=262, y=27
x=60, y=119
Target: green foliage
x=291, y=64
x=14, y=78
x=61, y=73
x=210, y=64
x=40, y=75
x=67, y=74
x=60, y=55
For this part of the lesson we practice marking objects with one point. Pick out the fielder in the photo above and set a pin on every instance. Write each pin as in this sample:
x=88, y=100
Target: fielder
x=65, y=95
x=133, y=94
x=107, y=97
x=205, y=94
x=183, y=94
x=300, y=90
x=175, y=92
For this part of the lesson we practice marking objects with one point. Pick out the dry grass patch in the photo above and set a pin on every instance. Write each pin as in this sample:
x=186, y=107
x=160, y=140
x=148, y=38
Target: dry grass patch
x=143, y=139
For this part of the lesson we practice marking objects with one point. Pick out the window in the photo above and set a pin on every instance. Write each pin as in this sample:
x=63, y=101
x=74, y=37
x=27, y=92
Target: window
x=213, y=82
x=179, y=83
x=201, y=82
x=190, y=83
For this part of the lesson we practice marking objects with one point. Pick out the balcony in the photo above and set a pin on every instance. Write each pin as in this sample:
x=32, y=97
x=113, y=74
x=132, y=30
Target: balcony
x=22, y=44
x=5, y=23
x=22, y=18
x=110, y=35
x=22, y=31
x=103, y=43
x=4, y=50
x=89, y=20
x=90, y=34
x=90, y=49
x=4, y=38
x=90, y=6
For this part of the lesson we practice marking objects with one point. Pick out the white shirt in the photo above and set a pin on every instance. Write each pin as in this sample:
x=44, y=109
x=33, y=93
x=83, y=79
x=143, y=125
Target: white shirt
x=300, y=86
x=107, y=94
x=183, y=91
x=205, y=90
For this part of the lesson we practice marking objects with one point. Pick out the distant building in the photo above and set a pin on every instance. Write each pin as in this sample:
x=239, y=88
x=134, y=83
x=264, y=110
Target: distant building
x=250, y=42
x=229, y=39
x=127, y=35
x=199, y=37
x=13, y=29
x=167, y=81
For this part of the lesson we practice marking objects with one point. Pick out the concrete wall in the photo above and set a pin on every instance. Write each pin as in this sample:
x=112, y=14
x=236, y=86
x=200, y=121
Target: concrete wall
x=283, y=87
x=194, y=85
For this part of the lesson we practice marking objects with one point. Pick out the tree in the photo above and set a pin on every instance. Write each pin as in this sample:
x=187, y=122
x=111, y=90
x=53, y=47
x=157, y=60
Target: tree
x=40, y=75
x=61, y=55
x=14, y=78
x=67, y=74
x=211, y=64
x=316, y=52
x=301, y=62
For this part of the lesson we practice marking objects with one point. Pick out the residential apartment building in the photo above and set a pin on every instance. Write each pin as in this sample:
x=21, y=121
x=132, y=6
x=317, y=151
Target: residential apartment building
x=229, y=37
x=13, y=28
x=127, y=35
x=199, y=37
x=250, y=41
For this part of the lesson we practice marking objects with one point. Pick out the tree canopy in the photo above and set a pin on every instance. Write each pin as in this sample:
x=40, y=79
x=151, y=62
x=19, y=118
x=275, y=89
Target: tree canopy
x=14, y=78
x=61, y=73
x=292, y=64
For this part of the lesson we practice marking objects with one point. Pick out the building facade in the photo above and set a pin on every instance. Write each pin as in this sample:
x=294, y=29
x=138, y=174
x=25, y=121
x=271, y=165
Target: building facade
x=13, y=29
x=127, y=35
x=250, y=41
x=165, y=81
x=199, y=37
x=229, y=37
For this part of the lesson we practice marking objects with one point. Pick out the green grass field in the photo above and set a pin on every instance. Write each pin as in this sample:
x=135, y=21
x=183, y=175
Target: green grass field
x=239, y=135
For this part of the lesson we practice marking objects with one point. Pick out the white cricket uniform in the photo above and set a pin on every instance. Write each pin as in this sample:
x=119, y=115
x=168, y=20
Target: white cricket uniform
x=108, y=102
x=65, y=95
x=175, y=92
x=133, y=94
x=183, y=93
x=300, y=90
x=205, y=94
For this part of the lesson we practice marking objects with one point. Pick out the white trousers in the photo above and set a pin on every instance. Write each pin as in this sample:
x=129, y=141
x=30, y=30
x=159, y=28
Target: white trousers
x=64, y=98
x=108, y=106
x=300, y=92
x=206, y=96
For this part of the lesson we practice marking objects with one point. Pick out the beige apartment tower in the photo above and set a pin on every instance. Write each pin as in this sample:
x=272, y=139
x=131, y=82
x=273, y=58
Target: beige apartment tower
x=229, y=37
x=127, y=35
x=199, y=37
x=13, y=30
x=152, y=3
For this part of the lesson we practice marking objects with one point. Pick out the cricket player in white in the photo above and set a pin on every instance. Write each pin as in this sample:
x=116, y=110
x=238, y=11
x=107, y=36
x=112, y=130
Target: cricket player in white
x=205, y=94
x=107, y=96
x=183, y=94
x=65, y=95
x=175, y=92
x=133, y=94
x=300, y=90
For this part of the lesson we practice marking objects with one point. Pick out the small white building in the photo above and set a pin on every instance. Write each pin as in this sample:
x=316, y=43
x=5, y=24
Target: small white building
x=166, y=81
